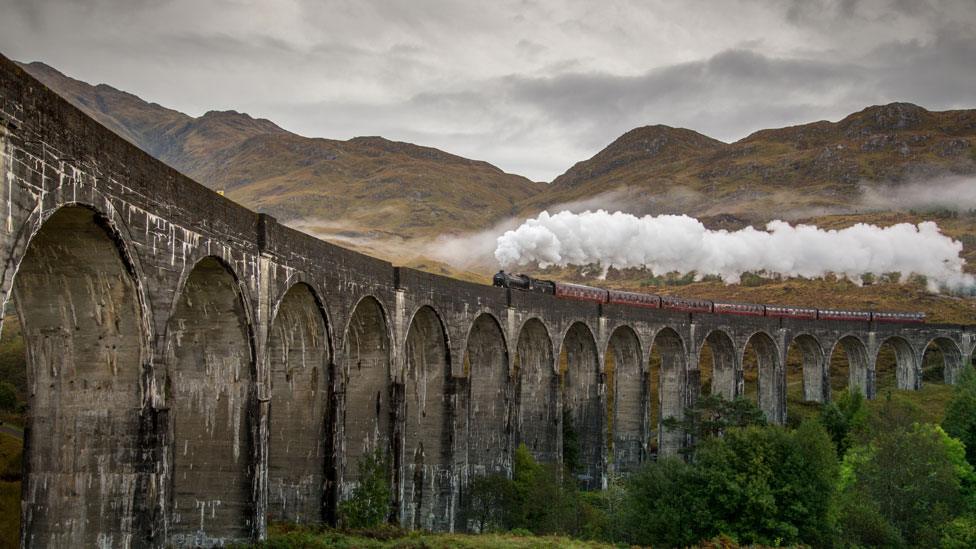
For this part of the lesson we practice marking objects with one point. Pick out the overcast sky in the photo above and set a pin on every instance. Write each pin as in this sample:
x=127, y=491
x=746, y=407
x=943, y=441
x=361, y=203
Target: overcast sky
x=531, y=86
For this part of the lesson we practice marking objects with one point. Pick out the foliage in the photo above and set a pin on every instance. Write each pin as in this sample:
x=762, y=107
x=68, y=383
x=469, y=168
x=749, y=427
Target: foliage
x=712, y=415
x=914, y=474
x=769, y=485
x=960, y=415
x=959, y=533
x=488, y=503
x=8, y=396
x=664, y=506
x=841, y=418
x=572, y=452
x=369, y=504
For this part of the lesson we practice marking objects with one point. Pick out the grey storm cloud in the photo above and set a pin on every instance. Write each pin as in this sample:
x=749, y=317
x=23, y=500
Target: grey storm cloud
x=531, y=86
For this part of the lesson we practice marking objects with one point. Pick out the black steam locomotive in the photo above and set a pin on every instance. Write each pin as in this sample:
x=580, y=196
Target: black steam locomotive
x=691, y=305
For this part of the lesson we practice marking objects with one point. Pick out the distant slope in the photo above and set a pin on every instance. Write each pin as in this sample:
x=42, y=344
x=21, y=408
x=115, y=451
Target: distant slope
x=817, y=165
x=365, y=187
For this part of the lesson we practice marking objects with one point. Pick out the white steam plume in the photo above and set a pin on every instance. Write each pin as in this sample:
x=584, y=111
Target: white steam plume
x=669, y=243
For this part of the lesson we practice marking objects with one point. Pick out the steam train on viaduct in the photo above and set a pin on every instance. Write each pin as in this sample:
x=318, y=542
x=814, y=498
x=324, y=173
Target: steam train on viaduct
x=691, y=305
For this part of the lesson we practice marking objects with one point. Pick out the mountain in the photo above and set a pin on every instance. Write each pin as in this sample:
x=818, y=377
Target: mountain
x=356, y=190
x=800, y=168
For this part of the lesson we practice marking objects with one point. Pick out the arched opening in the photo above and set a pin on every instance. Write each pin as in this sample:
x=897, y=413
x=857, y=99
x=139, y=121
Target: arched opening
x=805, y=373
x=538, y=418
x=626, y=400
x=942, y=361
x=583, y=407
x=428, y=425
x=85, y=342
x=717, y=356
x=486, y=362
x=298, y=359
x=895, y=367
x=366, y=381
x=848, y=366
x=761, y=370
x=209, y=392
x=669, y=366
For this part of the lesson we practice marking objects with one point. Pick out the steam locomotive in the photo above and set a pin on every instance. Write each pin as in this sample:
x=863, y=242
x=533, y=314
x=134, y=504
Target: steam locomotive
x=580, y=292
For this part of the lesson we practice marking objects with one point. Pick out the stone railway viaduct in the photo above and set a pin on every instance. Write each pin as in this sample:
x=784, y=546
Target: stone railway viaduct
x=196, y=368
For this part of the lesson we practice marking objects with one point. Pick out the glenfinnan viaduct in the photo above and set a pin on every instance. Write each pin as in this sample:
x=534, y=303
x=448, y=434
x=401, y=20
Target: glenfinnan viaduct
x=196, y=369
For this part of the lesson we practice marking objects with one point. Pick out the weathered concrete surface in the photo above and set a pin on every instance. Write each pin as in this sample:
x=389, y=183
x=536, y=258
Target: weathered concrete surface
x=197, y=368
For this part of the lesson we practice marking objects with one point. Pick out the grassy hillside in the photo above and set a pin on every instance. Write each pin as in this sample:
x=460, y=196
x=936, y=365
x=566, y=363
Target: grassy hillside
x=366, y=187
x=393, y=200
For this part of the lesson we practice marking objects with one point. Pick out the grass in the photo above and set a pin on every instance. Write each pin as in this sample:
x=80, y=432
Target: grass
x=10, y=471
x=282, y=536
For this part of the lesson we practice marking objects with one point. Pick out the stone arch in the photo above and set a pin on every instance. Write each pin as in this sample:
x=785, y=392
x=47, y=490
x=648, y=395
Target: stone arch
x=768, y=374
x=815, y=386
x=538, y=414
x=367, y=391
x=907, y=375
x=952, y=358
x=722, y=350
x=669, y=367
x=583, y=407
x=79, y=303
x=486, y=366
x=429, y=425
x=298, y=453
x=210, y=393
x=627, y=399
x=848, y=366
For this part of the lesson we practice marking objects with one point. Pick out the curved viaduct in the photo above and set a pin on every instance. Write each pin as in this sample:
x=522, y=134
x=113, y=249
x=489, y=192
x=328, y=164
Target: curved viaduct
x=196, y=368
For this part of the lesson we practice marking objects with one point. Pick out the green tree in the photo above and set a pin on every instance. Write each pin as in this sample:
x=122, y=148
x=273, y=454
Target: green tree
x=959, y=533
x=712, y=415
x=914, y=475
x=960, y=414
x=665, y=505
x=843, y=418
x=769, y=485
x=369, y=504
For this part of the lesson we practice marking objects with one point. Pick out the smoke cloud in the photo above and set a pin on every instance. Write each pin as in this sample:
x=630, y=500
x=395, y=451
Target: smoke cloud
x=669, y=243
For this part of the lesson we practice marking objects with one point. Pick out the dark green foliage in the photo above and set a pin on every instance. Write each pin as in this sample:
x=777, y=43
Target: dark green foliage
x=843, y=417
x=861, y=524
x=959, y=533
x=571, y=444
x=8, y=397
x=664, y=506
x=545, y=499
x=915, y=475
x=712, y=415
x=488, y=503
x=960, y=414
x=369, y=505
x=758, y=484
x=769, y=485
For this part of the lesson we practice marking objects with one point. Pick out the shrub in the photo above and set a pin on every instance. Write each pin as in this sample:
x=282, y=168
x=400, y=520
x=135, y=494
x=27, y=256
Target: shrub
x=843, y=418
x=960, y=414
x=8, y=397
x=369, y=505
x=959, y=533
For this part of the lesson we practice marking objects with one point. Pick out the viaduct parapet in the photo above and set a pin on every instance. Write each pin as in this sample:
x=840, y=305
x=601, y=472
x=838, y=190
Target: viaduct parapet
x=196, y=369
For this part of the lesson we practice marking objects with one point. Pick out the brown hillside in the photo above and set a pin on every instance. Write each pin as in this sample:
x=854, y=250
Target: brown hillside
x=773, y=172
x=366, y=187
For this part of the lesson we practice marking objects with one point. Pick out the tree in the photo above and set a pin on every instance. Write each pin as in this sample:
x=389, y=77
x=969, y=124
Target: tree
x=914, y=475
x=369, y=504
x=843, y=418
x=712, y=415
x=665, y=505
x=768, y=485
x=960, y=414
